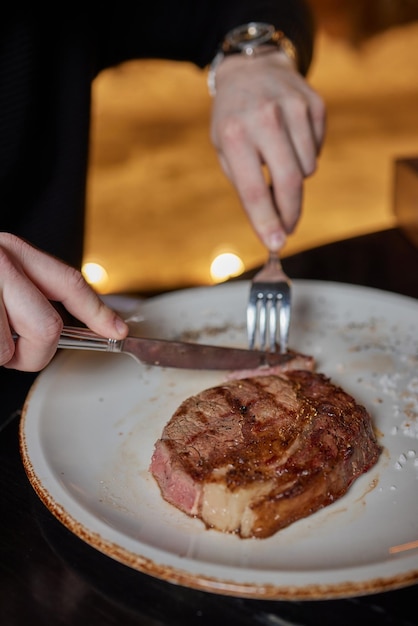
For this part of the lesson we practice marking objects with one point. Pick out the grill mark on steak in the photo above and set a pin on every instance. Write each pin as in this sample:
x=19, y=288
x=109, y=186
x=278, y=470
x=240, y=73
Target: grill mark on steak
x=253, y=455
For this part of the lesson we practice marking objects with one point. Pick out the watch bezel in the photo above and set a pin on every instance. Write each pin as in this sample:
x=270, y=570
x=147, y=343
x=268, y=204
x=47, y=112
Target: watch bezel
x=246, y=37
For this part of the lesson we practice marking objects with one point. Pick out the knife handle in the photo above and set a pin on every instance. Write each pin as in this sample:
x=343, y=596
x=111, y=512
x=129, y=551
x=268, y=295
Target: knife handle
x=85, y=339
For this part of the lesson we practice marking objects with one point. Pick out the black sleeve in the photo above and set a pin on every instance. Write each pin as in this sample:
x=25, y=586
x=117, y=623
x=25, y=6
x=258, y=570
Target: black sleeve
x=191, y=30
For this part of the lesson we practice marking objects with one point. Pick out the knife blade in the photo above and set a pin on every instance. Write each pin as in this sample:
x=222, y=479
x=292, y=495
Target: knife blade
x=176, y=354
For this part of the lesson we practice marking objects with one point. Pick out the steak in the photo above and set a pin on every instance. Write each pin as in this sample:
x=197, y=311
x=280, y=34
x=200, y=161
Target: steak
x=253, y=455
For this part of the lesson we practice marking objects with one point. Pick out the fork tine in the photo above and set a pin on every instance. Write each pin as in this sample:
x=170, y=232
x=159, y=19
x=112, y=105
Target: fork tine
x=262, y=320
x=284, y=323
x=251, y=323
x=272, y=324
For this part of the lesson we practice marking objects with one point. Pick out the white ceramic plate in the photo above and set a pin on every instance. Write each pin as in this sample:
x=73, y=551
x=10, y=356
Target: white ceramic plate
x=91, y=421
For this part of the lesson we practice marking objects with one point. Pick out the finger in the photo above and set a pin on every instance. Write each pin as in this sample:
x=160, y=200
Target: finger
x=317, y=111
x=62, y=283
x=295, y=122
x=289, y=154
x=287, y=145
x=28, y=312
x=301, y=114
x=7, y=345
x=301, y=100
x=225, y=166
x=277, y=150
x=32, y=351
x=82, y=301
x=244, y=165
x=307, y=103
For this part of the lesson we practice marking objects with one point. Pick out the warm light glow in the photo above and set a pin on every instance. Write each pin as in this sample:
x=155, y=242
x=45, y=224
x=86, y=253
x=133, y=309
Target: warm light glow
x=95, y=274
x=225, y=266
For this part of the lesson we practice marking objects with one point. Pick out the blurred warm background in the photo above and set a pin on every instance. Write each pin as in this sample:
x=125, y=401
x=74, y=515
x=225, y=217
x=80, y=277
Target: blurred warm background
x=160, y=209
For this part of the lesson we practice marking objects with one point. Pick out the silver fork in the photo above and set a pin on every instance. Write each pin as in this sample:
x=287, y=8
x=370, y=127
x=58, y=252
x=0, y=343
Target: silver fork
x=269, y=305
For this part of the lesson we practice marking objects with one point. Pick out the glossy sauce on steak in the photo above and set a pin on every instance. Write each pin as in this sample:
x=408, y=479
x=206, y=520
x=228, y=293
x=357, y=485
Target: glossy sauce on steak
x=253, y=455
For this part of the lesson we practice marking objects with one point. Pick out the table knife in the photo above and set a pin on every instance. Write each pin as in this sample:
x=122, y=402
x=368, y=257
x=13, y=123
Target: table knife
x=177, y=354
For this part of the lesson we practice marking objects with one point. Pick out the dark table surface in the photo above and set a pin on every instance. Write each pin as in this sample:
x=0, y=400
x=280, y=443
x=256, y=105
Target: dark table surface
x=49, y=576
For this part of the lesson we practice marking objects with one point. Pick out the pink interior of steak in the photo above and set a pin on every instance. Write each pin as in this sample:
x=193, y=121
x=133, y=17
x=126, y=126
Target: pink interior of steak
x=298, y=362
x=253, y=455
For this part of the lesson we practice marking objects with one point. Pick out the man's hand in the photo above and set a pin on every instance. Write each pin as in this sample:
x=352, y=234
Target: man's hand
x=268, y=127
x=29, y=281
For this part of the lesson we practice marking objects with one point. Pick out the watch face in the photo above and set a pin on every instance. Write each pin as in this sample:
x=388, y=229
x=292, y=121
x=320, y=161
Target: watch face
x=248, y=36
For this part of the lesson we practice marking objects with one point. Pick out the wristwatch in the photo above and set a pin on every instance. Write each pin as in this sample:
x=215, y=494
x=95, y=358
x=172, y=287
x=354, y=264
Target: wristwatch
x=246, y=39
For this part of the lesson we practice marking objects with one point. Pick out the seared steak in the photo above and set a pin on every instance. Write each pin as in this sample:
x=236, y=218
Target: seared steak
x=254, y=455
